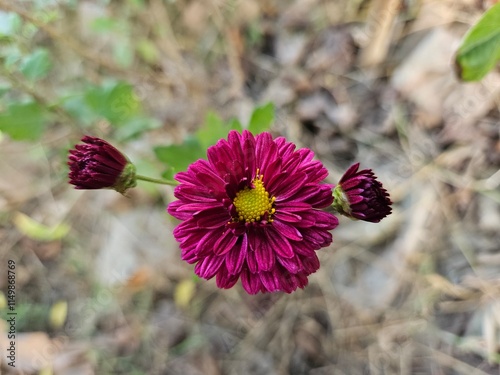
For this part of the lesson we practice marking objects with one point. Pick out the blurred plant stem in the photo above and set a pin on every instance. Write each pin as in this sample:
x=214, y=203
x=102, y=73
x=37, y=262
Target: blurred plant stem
x=156, y=181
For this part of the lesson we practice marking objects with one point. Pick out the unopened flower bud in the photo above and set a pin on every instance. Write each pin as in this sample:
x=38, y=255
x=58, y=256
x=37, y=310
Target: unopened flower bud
x=359, y=195
x=96, y=164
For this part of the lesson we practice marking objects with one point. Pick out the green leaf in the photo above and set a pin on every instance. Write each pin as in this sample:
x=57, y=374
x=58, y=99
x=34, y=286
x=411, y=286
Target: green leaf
x=235, y=124
x=262, y=118
x=212, y=130
x=36, y=65
x=480, y=49
x=10, y=24
x=116, y=101
x=23, y=121
x=179, y=157
x=12, y=57
x=136, y=126
x=76, y=105
x=168, y=174
x=104, y=24
x=148, y=51
x=36, y=231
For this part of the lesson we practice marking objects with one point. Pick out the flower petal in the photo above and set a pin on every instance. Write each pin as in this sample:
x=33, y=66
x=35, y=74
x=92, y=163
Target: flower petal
x=208, y=266
x=225, y=243
x=280, y=245
x=212, y=218
x=264, y=255
x=292, y=265
x=251, y=282
x=287, y=230
x=236, y=257
x=224, y=280
x=270, y=281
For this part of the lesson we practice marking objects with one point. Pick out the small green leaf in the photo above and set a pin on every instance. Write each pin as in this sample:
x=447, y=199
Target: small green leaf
x=77, y=107
x=115, y=101
x=12, y=57
x=36, y=231
x=148, y=51
x=139, y=4
x=480, y=49
x=212, y=130
x=23, y=121
x=262, y=118
x=10, y=24
x=46, y=15
x=36, y=65
x=235, y=124
x=179, y=157
x=104, y=24
x=135, y=126
x=168, y=174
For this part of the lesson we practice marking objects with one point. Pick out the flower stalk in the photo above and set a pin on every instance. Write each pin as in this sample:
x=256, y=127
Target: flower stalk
x=156, y=180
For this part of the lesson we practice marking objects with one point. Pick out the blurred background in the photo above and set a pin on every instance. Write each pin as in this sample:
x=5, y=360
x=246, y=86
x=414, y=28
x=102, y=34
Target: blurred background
x=100, y=287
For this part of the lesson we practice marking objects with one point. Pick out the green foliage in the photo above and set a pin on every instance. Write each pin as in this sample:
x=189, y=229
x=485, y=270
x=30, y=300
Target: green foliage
x=148, y=51
x=23, y=121
x=480, y=49
x=179, y=157
x=37, y=231
x=30, y=317
x=114, y=101
x=262, y=118
x=235, y=124
x=11, y=57
x=119, y=31
x=10, y=24
x=104, y=24
x=212, y=130
x=36, y=65
x=24, y=116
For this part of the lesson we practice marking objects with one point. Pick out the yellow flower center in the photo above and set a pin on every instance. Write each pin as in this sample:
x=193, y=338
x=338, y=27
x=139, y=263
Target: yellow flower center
x=252, y=204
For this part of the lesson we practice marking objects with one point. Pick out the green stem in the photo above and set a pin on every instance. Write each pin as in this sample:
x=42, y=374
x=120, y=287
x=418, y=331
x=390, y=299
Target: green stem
x=156, y=181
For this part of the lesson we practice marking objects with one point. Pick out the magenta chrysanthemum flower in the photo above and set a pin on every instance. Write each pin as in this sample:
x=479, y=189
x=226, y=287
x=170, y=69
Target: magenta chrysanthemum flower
x=253, y=211
x=96, y=164
x=360, y=195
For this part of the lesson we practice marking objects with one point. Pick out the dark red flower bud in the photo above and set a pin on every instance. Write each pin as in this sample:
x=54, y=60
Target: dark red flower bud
x=96, y=164
x=359, y=195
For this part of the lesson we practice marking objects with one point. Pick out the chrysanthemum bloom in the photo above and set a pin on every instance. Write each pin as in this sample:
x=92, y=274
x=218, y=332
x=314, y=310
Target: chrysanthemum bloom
x=253, y=211
x=96, y=164
x=360, y=195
